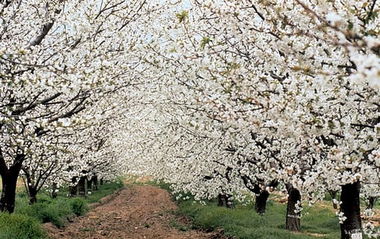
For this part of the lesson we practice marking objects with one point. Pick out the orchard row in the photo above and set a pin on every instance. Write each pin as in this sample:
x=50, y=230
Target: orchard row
x=219, y=98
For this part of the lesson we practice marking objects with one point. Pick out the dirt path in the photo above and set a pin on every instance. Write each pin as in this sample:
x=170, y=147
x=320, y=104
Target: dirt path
x=135, y=212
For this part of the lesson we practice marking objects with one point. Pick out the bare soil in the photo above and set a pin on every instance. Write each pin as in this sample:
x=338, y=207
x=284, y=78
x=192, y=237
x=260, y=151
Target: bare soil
x=140, y=211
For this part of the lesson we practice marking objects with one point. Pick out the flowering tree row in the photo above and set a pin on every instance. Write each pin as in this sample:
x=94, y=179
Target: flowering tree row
x=259, y=92
x=217, y=97
x=64, y=66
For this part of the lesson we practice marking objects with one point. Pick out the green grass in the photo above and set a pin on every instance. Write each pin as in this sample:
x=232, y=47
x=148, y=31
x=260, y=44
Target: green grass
x=62, y=209
x=25, y=221
x=20, y=227
x=104, y=190
x=243, y=222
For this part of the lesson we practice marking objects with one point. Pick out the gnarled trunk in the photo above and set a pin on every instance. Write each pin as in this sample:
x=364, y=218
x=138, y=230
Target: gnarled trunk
x=95, y=182
x=32, y=191
x=261, y=202
x=81, y=186
x=30, y=187
x=8, y=194
x=350, y=207
x=293, y=219
x=54, y=191
x=9, y=182
x=371, y=202
x=221, y=200
x=261, y=194
x=89, y=185
x=226, y=200
x=73, y=187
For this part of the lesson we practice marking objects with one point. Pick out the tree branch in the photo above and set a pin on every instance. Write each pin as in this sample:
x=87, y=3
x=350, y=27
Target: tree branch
x=45, y=30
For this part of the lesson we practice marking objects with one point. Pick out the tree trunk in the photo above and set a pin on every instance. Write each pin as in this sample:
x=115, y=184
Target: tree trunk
x=371, y=202
x=293, y=221
x=101, y=181
x=73, y=187
x=81, y=186
x=261, y=202
x=230, y=202
x=226, y=200
x=221, y=200
x=54, y=191
x=95, y=182
x=89, y=186
x=9, y=182
x=32, y=191
x=8, y=194
x=351, y=226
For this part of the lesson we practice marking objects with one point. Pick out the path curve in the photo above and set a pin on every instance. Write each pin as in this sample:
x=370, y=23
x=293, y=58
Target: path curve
x=140, y=211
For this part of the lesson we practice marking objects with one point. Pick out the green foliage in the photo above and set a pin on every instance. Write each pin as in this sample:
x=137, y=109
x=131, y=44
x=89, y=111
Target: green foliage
x=79, y=206
x=20, y=227
x=205, y=41
x=61, y=209
x=56, y=211
x=182, y=16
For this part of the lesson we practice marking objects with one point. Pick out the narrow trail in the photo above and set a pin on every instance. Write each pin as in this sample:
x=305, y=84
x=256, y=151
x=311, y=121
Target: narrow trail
x=135, y=212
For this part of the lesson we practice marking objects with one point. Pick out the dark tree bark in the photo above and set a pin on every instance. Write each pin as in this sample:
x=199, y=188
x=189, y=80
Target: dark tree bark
x=371, y=202
x=261, y=202
x=32, y=191
x=221, y=200
x=8, y=194
x=81, y=186
x=36, y=179
x=226, y=200
x=31, y=188
x=89, y=185
x=261, y=195
x=230, y=202
x=54, y=191
x=293, y=221
x=95, y=182
x=351, y=227
x=74, y=187
x=9, y=182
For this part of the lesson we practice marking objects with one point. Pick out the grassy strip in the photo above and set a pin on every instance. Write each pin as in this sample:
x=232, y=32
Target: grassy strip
x=20, y=227
x=243, y=222
x=25, y=222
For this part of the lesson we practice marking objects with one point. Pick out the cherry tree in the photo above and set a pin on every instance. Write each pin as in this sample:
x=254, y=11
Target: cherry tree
x=302, y=75
x=57, y=59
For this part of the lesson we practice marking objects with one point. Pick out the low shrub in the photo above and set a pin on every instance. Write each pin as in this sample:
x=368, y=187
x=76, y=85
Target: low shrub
x=56, y=211
x=79, y=206
x=20, y=227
